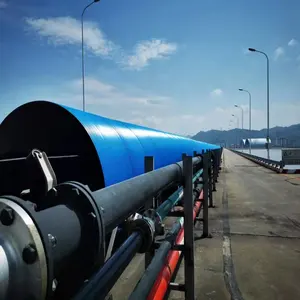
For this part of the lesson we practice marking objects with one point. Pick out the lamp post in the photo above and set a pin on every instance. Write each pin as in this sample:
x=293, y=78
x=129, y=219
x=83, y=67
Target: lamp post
x=82, y=53
x=242, y=114
x=268, y=102
x=229, y=128
x=243, y=90
x=238, y=122
x=242, y=121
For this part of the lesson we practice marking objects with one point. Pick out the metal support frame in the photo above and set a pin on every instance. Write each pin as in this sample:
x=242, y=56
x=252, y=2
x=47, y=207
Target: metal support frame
x=99, y=214
x=215, y=169
x=217, y=165
x=210, y=180
x=219, y=159
x=189, y=267
x=151, y=203
x=111, y=243
x=205, y=195
x=148, y=167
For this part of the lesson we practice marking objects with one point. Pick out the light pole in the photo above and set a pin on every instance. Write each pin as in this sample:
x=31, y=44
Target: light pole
x=268, y=102
x=238, y=122
x=243, y=90
x=242, y=121
x=242, y=114
x=82, y=53
x=229, y=128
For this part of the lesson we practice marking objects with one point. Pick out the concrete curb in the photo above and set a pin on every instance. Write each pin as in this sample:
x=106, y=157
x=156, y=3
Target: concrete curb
x=290, y=171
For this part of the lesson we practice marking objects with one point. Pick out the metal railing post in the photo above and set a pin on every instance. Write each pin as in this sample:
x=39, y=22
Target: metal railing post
x=215, y=167
x=210, y=179
x=148, y=167
x=189, y=266
x=205, y=195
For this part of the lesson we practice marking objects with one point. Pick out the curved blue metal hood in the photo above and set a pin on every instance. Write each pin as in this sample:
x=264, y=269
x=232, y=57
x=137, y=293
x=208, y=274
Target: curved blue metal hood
x=117, y=147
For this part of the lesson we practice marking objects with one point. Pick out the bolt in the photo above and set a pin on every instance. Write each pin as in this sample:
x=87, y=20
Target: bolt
x=29, y=254
x=7, y=216
x=54, y=285
x=75, y=192
x=92, y=215
x=52, y=240
x=92, y=218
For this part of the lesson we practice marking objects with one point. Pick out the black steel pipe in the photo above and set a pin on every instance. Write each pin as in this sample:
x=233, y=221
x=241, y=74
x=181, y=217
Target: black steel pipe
x=133, y=192
x=77, y=220
x=65, y=237
x=145, y=284
x=103, y=281
x=148, y=279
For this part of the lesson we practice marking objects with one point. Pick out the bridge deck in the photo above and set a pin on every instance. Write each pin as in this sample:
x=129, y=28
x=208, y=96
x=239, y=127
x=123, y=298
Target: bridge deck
x=255, y=249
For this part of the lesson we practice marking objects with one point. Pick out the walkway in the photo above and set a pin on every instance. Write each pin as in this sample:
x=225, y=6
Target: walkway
x=255, y=249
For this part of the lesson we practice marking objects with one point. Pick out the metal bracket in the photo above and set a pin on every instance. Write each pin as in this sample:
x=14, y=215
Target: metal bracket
x=111, y=243
x=41, y=174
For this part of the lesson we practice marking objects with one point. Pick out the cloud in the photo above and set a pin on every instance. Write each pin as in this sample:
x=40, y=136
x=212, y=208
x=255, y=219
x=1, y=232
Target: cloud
x=103, y=94
x=217, y=93
x=3, y=4
x=221, y=116
x=94, y=86
x=126, y=103
x=67, y=31
x=278, y=53
x=149, y=50
x=292, y=43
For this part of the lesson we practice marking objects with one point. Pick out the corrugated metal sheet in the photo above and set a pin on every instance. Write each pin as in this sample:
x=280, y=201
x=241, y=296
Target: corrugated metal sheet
x=257, y=141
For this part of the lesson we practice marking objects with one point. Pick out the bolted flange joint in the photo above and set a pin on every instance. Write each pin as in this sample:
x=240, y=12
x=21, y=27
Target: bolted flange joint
x=155, y=217
x=147, y=229
x=197, y=192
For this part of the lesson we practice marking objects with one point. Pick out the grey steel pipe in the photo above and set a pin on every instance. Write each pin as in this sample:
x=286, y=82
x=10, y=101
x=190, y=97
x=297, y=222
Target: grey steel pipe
x=133, y=192
x=74, y=226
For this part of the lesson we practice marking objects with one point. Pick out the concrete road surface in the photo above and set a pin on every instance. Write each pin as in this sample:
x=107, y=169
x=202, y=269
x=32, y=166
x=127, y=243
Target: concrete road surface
x=263, y=212
x=254, y=252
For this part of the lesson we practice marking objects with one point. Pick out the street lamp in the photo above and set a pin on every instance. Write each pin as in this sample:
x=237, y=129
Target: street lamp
x=238, y=122
x=243, y=90
x=242, y=119
x=82, y=53
x=268, y=105
x=242, y=114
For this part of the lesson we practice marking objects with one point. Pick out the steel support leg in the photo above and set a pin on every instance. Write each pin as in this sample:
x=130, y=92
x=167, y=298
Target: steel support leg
x=215, y=170
x=148, y=167
x=189, y=267
x=210, y=179
x=205, y=195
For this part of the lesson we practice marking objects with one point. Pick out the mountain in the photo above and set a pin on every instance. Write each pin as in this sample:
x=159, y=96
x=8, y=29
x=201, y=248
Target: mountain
x=280, y=136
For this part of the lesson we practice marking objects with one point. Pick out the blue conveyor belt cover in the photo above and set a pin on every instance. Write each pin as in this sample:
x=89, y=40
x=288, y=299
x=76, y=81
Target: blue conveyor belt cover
x=121, y=147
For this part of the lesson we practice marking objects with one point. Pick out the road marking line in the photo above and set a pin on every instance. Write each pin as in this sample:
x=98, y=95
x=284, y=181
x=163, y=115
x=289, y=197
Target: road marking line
x=228, y=265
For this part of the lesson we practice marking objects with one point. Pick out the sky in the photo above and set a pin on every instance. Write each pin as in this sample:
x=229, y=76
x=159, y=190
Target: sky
x=171, y=65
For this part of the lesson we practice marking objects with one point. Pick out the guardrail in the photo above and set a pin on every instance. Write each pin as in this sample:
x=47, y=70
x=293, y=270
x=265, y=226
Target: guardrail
x=273, y=165
x=53, y=238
